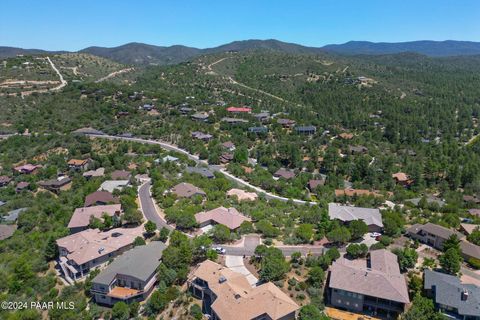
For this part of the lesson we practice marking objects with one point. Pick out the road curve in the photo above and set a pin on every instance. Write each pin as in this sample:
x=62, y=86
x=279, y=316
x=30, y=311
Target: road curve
x=148, y=207
x=195, y=158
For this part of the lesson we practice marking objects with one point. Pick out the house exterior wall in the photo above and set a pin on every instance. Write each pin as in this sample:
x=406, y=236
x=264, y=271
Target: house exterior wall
x=346, y=300
x=374, y=228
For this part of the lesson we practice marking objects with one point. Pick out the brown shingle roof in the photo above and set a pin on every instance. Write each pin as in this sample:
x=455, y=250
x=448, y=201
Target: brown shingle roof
x=382, y=280
x=187, y=190
x=284, y=173
x=99, y=197
x=120, y=175
x=77, y=162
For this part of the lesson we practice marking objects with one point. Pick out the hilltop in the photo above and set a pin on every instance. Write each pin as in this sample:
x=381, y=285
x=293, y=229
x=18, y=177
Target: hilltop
x=145, y=54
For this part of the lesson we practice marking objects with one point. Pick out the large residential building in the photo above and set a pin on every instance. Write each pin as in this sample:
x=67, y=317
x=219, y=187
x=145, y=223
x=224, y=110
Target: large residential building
x=88, y=249
x=374, y=286
x=56, y=185
x=432, y=234
x=27, y=168
x=346, y=214
x=227, y=295
x=230, y=217
x=187, y=190
x=451, y=296
x=130, y=277
x=98, y=198
x=78, y=164
x=201, y=171
x=112, y=185
x=81, y=216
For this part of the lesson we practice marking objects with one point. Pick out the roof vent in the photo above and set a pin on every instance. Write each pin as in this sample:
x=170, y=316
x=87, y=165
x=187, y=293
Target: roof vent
x=101, y=250
x=222, y=279
x=464, y=295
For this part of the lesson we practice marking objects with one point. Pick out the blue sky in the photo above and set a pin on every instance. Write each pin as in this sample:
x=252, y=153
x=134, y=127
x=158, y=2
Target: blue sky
x=72, y=25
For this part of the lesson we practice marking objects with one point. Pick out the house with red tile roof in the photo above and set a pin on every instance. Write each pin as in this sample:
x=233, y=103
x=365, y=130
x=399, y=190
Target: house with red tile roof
x=239, y=109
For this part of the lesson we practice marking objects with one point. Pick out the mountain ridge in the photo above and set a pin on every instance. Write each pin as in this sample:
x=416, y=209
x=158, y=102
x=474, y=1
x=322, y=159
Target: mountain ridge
x=143, y=54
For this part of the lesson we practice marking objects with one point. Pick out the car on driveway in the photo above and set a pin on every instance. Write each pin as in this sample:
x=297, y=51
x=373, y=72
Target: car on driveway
x=375, y=234
x=220, y=250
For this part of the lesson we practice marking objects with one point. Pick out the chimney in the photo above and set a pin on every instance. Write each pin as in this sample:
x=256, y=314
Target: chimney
x=464, y=295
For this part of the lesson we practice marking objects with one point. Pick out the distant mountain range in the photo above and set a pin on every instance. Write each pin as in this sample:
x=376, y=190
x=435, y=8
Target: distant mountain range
x=143, y=54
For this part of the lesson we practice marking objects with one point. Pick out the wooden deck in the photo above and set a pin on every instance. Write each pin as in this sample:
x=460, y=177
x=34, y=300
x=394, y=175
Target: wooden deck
x=123, y=293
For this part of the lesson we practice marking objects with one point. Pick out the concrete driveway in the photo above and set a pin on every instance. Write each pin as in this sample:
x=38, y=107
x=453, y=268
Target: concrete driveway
x=235, y=263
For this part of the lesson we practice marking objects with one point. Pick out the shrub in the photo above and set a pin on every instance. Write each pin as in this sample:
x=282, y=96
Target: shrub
x=474, y=263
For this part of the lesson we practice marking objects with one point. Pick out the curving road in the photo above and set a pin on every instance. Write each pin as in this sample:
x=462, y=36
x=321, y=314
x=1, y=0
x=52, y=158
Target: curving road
x=148, y=207
x=195, y=158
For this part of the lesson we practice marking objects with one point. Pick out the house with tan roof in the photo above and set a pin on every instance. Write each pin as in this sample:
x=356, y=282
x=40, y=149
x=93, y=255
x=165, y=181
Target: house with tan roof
x=230, y=217
x=86, y=250
x=402, y=179
x=78, y=164
x=242, y=195
x=350, y=192
x=187, y=190
x=81, y=216
x=100, y=172
x=374, y=285
x=227, y=295
x=27, y=168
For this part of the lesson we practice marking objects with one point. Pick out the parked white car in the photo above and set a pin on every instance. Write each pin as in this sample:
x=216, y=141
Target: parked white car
x=220, y=250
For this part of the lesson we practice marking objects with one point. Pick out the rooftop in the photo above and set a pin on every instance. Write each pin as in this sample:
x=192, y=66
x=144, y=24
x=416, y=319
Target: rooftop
x=237, y=300
x=450, y=291
x=228, y=217
x=81, y=216
x=94, y=173
x=91, y=244
x=186, y=190
x=111, y=185
x=347, y=213
x=383, y=279
x=99, y=196
x=139, y=262
x=434, y=229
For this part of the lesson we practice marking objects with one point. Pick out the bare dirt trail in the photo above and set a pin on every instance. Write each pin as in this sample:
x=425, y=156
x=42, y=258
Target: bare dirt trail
x=114, y=74
x=61, y=84
x=235, y=82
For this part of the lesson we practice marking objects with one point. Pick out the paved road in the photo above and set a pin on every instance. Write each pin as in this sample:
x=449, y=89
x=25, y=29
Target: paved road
x=195, y=158
x=148, y=207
